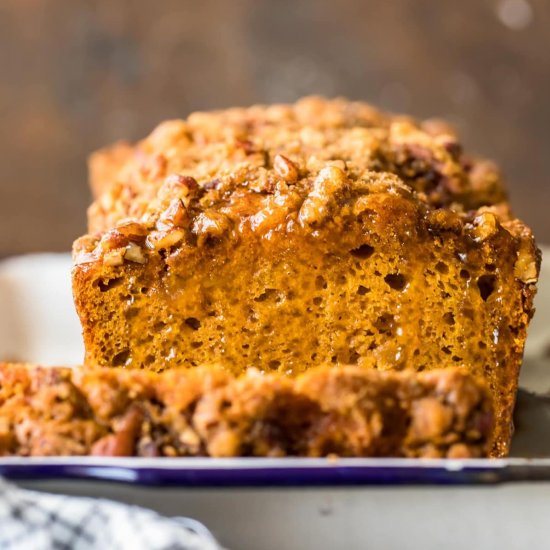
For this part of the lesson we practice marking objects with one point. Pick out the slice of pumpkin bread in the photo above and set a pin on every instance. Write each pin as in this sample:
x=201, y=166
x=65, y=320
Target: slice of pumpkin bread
x=343, y=411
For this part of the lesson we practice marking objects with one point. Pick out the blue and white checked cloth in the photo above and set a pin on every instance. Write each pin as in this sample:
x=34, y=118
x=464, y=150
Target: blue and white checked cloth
x=32, y=520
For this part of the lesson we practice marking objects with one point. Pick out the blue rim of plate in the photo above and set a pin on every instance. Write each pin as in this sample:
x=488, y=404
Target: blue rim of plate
x=287, y=472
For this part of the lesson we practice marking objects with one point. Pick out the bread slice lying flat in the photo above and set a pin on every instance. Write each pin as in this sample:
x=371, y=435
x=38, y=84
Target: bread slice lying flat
x=340, y=411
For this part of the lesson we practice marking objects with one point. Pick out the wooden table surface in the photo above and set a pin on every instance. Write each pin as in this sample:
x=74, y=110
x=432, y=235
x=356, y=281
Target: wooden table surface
x=77, y=75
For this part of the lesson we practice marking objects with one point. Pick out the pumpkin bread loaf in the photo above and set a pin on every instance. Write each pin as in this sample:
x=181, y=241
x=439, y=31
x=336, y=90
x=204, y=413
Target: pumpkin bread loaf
x=289, y=236
x=348, y=411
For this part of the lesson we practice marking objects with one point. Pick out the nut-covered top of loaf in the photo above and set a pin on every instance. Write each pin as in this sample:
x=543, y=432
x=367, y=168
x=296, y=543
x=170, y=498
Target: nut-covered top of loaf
x=283, y=149
x=299, y=167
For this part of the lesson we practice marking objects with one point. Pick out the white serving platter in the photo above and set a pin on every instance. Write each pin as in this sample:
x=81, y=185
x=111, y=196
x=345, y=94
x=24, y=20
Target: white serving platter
x=297, y=503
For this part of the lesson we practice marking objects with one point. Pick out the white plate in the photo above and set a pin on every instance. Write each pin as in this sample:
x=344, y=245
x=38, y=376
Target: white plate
x=38, y=324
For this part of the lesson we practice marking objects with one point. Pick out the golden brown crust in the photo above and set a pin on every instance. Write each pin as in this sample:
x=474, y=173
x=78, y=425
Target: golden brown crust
x=345, y=411
x=279, y=150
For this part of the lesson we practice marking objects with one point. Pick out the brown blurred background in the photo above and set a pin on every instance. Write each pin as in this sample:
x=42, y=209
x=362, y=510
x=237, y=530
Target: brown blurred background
x=76, y=75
